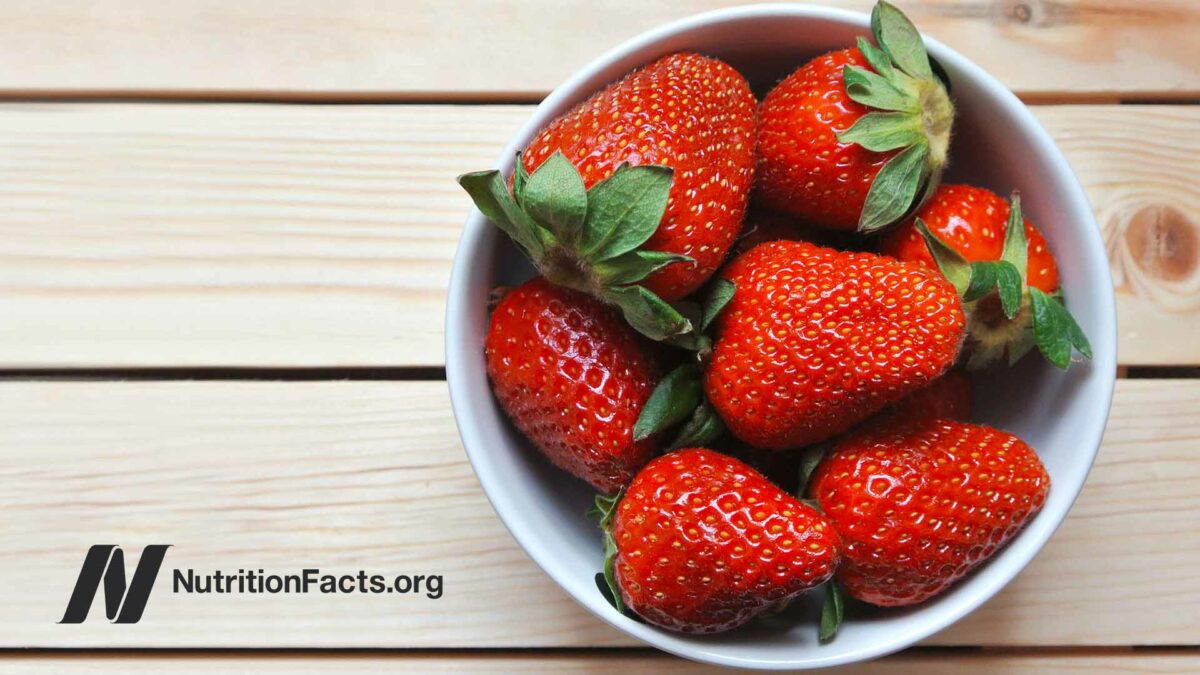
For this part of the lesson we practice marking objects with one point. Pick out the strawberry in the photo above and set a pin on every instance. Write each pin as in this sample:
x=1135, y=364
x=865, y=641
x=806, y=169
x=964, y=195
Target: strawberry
x=848, y=140
x=948, y=397
x=919, y=503
x=573, y=378
x=815, y=340
x=635, y=195
x=702, y=543
x=973, y=221
x=1005, y=272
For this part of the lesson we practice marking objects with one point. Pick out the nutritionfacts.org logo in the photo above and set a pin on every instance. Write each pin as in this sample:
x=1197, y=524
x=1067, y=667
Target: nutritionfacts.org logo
x=125, y=598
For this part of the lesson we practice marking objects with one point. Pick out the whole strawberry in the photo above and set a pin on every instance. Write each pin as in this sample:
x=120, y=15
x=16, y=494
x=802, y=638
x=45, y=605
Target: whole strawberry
x=635, y=195
x=815, y=341
x=853, y=139
x=919, y=503
x=701, y=543
x=573, y=378
x=1006, y=274
x=948, y=397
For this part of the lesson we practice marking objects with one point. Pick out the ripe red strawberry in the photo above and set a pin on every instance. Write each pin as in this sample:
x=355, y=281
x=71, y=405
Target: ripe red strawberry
x=573, y=378
x=635, y=195
x=948, y=397
x=815, y=340
x=973, y=221
x=848, y=140
x=919, y=503
x=1008, y=277
x=701, y=543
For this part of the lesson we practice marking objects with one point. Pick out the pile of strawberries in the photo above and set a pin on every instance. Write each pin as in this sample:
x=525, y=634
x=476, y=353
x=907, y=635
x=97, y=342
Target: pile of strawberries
x=750, y=327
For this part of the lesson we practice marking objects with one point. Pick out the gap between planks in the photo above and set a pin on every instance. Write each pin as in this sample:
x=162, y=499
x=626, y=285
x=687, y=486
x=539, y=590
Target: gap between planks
x=308, y=48
x=633, y=660
x=557, y=661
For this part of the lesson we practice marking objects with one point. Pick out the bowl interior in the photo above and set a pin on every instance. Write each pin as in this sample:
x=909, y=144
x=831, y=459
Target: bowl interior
x=998, y=144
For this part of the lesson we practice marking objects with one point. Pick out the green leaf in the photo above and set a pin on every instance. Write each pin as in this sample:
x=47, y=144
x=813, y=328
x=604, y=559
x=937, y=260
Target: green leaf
x=624, y=210
x=833, y=610
x=983, y=280
x=647, y=313
x=1055, y=330
x=874, y=91
x=999, y=275
x=635, y=266
x=491, y=197
x=606, y=507
x=672, y=401
x=1016, y=249
x=1078, y=340
x=883, y=131
x=877, y=58
x=932, y=181
x=899, y=38
x=719, y=294
x=808, y=464
x=1010, y=287
x=892, y=192
x=603, y=509
x=952, y=265
x=610, y=574
x=701, y=429
x=520, y=178
x=556, y=198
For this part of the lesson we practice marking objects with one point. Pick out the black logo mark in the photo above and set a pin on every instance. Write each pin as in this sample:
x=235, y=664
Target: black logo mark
x=122, y=603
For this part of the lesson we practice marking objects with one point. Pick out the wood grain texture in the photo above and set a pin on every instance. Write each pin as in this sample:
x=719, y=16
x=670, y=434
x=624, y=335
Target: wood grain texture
x=370, y=475
x=311, y=49
x=559, y=662
x=298, y=235
x=237, y=235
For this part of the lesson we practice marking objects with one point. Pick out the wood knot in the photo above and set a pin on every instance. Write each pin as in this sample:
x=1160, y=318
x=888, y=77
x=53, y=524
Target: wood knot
x=1029, y=12
x=1021, y=12
x=1162, y=243
x=1155, y=253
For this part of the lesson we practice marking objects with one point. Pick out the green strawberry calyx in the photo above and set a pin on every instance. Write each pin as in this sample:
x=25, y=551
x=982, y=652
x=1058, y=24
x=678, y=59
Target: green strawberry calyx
x=833, y=612
x=603, y=511
x=833, y=607
x=678, y=399
x=911, y=114
x=590, y=240
x=1005, y=315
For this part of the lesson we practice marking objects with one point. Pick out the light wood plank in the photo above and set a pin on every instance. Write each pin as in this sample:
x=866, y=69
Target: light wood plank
x=339, y=48
x=925, y=663
x=1136, y=165
x=350, y=475
x=253, y=235
x=237, y=235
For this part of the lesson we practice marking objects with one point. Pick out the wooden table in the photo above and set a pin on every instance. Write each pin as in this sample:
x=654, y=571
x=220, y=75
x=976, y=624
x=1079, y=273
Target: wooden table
x=226, y=233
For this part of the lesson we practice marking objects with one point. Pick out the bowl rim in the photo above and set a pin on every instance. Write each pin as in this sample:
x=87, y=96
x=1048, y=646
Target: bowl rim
x=458, y=371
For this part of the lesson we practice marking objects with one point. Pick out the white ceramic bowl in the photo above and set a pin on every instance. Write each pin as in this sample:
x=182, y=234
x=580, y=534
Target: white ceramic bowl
x=997, y=143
